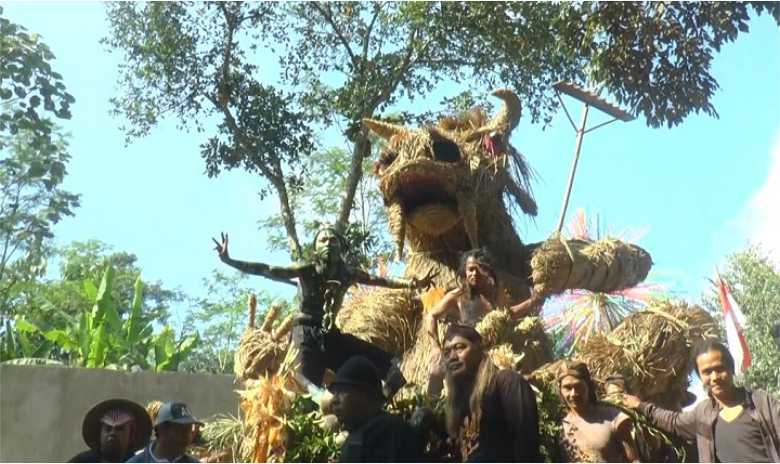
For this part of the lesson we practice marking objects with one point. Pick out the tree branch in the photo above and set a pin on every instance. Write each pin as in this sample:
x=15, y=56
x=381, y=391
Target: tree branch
x=329, y=18
x=276, y=179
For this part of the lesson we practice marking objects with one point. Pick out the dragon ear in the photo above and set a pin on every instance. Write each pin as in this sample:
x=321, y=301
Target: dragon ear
x=383, y=129
x=506, y=119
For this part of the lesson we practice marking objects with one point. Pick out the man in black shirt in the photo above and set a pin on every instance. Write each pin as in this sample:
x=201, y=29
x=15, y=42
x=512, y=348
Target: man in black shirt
x=114, y=430
x=322, y=283
x=491, y=413
x=374, y=435
x=733, y=425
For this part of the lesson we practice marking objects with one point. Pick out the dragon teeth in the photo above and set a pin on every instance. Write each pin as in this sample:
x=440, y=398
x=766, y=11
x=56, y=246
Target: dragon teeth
x=397, y=219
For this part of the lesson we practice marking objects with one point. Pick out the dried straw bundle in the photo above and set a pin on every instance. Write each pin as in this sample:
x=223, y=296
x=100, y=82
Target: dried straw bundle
x=261, y=351
x=650, y=348
x=504, y=358
x=602, y=266
x=383, y=317
x=265, y=403
x=152, y=408
x=525, y=337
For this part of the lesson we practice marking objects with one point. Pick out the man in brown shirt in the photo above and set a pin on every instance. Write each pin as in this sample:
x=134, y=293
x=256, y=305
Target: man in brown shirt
x=491, y=413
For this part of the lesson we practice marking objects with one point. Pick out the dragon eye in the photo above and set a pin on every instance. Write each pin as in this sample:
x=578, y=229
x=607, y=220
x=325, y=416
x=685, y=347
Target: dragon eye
x=446, y=151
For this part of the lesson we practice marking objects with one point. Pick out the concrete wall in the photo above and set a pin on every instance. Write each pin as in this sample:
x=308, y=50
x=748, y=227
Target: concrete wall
x=42, y=407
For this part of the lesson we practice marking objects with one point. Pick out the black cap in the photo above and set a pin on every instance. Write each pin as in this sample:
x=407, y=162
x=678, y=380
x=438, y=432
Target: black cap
x=358, y=371
x=175, y=412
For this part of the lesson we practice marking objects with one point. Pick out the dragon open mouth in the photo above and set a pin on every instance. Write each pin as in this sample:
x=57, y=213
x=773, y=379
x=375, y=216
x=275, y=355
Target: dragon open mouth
x=421, y=190
x=423, y=194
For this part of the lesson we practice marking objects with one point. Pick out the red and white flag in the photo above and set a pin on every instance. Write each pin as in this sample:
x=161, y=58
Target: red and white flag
x=735, y=326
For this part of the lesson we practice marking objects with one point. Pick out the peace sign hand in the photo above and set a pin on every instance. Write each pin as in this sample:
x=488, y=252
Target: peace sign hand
x=222, y=247
x=425, y=282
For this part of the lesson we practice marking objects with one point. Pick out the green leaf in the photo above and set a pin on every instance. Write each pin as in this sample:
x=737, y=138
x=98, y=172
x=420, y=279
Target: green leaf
x=90, y=291
x=62, y=339
x=102, y=300
x=24, y=326
x=97, y=348
x=133, y=321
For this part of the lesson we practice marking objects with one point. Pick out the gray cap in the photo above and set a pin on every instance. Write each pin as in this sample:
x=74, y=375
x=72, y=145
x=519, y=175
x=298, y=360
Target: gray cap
x=178, y=413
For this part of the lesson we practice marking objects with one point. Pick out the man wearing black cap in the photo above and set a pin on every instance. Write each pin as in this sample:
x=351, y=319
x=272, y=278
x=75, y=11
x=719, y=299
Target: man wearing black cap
x=491, y=413
x=374, y=435
x=173, y=433
x=114, y=430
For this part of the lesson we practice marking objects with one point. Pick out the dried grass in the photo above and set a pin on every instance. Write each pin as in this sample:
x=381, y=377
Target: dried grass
x=650, y=348
x=261, y=351
x=264, y=404
x=386, y=318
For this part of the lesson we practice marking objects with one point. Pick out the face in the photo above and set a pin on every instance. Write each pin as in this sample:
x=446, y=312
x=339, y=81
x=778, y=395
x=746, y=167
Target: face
x=462, y=356
x=350, y=405
x=177, y=436
x=326, y=243
x=715, y=375
x=575, y=392
x=114, y=439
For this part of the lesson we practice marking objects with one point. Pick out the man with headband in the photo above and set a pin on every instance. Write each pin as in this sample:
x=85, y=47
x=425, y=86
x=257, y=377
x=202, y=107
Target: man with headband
x=322, y=283
x=592, y=432
x=491, y=414
x=114, y=430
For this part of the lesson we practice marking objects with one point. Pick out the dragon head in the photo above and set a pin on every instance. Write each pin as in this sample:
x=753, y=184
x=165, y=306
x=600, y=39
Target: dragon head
x=440, y=182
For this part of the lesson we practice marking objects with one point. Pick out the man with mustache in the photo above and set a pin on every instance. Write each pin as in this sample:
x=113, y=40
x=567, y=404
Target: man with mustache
x=734, y=425
x=491, y=413
x=114, y=430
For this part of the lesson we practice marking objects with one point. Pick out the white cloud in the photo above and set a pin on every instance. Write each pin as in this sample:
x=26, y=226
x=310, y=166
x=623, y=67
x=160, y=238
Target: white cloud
x=763, y=210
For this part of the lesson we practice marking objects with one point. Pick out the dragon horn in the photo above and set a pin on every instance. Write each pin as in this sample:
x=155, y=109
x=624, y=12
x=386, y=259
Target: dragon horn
x=383, y=129
x=509, y=115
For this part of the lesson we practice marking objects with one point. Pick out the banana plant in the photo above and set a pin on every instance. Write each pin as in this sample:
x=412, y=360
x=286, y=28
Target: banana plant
x=100, y=338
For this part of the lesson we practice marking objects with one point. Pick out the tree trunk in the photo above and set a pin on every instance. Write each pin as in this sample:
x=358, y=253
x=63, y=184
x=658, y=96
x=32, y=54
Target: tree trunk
x=361, y=150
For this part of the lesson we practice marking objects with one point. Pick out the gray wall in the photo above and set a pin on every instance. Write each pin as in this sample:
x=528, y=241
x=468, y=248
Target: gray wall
x=42, y=407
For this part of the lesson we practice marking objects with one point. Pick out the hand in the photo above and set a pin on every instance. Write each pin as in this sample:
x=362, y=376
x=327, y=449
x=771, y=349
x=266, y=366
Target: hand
x=222, y=248
x=426, y=282
x=630, y=401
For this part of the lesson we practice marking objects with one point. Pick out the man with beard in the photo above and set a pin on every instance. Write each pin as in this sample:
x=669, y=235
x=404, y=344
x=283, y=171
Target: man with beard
x=173, y=434
x=491, y=413
x=374, y=435
x=734, y=425
x=114, y=430
x=322, y=284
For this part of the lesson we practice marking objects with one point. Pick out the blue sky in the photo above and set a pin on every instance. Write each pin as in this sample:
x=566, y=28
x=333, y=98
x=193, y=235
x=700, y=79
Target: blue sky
x=697, y=192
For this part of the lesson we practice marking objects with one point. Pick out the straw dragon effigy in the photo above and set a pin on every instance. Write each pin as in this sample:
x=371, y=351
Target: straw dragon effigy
x=448, y=188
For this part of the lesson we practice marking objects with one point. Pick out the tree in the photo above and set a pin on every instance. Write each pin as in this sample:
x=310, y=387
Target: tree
x=26, y=81
x=50, y=302
x=346, y=61
x=31, y=203
x=33, y=158
x=755, y=282
x=220, y=319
